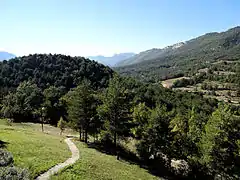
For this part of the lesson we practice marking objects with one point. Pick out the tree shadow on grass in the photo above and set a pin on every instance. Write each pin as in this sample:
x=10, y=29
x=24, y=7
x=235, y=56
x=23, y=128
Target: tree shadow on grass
x=129, y=157
x=3, y=144
x=124, y=154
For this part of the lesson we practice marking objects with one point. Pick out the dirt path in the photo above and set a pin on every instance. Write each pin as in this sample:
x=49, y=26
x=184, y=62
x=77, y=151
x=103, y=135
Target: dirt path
x=72, y=160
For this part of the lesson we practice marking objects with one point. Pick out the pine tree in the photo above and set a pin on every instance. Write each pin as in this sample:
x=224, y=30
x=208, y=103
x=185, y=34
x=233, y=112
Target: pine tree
x=141, y=115
x=220, y=143
x=115, y=109
x=80, y=102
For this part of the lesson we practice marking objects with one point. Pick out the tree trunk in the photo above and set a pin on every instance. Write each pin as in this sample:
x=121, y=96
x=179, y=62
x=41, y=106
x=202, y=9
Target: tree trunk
x=116, y=146
x=80, y=134
x=86, y=137
x=42, y=125
x=83, y=135
x=115, y=139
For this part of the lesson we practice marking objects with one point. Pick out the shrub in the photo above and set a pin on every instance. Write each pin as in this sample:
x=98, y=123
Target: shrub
x=8, y=171
x=180, y=167
x=105, y=137
x=6, y=158
x=61, y=125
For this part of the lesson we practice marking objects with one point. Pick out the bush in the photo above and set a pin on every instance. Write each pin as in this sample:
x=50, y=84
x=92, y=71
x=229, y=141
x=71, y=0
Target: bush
x=13, y=173
x=180, y=168
x=105, y=137
x=6, y=158
x=8, y=171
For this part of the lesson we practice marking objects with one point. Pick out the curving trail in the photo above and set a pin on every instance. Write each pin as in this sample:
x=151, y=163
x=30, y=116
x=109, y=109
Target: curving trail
x=72, y=160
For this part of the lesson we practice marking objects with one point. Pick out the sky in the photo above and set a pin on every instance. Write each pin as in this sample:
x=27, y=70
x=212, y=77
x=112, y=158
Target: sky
x=106, y=27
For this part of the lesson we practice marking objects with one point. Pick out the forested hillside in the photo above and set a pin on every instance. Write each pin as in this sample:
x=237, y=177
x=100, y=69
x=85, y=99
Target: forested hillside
x=52, y=70
x=187, y=58
x=172, y=134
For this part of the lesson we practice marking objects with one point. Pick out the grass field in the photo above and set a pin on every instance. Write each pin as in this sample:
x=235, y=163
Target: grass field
x=37, y=152
x=32, y=149
x=94, y=165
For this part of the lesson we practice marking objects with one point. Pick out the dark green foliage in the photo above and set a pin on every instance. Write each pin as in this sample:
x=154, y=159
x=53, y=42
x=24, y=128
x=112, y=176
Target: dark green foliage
x=32, y=82
x=141, y=115
x=81, y=108
x=115, y=109
x=220, y=143
x=53, y=107
x=22, y=104
x=183, y=83
x=52, y=70
x=152, y=142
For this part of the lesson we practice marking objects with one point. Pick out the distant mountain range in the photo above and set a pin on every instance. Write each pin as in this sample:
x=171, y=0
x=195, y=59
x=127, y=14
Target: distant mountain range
x=6, y=56
x=113, y=60
x=184, y=57
x=209, y=42
x=149, y=54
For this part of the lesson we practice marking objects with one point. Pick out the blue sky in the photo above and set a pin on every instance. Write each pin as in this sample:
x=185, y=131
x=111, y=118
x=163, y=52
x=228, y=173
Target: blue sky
x=92, y=27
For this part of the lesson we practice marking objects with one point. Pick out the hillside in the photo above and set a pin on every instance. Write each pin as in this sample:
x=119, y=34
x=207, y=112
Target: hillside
x=165, y=132
x=112, y=60
x=6, y=55
x=176, y=61
x=149, y=54
x=220, y=80
x=57, y=70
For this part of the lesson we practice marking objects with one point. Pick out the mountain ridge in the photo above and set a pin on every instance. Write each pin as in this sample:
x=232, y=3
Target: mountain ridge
x=149, y=54
x=111, y=60
x=154, y=53
x=196, y=53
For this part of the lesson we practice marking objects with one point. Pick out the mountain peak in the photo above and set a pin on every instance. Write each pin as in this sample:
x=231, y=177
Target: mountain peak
x=112, y=60
x=175, y=46
x=6, y=56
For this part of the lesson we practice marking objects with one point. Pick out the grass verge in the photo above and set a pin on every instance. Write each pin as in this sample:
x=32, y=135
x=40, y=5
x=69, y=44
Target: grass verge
x=32, y=149
x=95, y=165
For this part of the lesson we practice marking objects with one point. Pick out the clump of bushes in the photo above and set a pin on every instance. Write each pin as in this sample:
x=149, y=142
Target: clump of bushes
x=6, y=158
x=180, y=167
x=8, y=171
